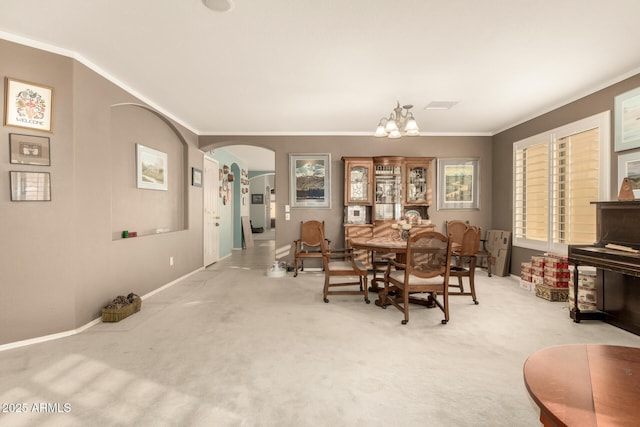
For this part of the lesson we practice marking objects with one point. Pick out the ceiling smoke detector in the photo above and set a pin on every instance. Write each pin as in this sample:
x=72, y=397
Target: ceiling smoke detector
x=219, y=5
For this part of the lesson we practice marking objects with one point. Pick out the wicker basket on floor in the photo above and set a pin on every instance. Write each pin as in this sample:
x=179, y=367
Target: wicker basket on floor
x=117, y=314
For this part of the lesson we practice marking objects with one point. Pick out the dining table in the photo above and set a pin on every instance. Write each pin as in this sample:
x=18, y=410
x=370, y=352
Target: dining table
x=585, y=384
x=388, y=244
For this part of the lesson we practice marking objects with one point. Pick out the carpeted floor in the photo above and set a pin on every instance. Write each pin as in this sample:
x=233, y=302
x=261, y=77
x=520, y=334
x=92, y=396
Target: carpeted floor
x=228, y=346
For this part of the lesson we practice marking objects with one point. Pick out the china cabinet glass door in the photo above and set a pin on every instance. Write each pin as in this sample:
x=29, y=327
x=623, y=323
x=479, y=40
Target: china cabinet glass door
x=358, y=188
x=417, y=190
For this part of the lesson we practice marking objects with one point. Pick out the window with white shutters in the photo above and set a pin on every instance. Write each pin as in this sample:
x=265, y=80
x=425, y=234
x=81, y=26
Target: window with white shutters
x=556, y=177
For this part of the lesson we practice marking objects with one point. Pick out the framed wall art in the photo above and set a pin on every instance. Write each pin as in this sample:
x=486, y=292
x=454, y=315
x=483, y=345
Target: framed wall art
x=629, y=167
x=257, y=199
x=458, y=184
x=196, y=177
x=627, y=120
x=151, y=168
x=28, y=105
x=29, y=150
x=310, y=180
x=30, y=186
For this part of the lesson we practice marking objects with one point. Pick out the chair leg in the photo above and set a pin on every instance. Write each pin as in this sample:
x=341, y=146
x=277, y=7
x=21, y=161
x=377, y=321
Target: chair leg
x=325, y=291
x=364, y=287
x=445, y=305
x=460, y=285
x=472, y=285
x=405, y=303
x=295, y=261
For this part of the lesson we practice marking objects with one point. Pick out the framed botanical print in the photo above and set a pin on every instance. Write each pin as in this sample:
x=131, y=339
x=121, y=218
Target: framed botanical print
x=28, y=105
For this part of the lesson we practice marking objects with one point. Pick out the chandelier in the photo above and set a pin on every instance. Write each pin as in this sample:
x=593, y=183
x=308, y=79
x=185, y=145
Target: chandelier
x=400, y=118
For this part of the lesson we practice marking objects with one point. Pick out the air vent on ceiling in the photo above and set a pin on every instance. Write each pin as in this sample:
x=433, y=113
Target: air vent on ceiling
x=440, y=105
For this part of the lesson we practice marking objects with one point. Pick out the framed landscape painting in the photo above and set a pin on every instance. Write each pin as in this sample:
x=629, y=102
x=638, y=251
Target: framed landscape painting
x=151, y=168
x=627, y=120
x=310, y=180
x=458, y=184
x=629, y=167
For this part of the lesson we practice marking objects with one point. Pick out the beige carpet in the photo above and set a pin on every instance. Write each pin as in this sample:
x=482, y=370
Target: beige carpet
x=229, y=347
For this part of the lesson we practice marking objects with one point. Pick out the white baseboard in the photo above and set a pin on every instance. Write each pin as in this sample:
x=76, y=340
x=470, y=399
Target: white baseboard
x=86, y=326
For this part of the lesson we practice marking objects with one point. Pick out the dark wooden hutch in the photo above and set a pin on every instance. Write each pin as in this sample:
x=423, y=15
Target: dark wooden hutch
x=380, y=191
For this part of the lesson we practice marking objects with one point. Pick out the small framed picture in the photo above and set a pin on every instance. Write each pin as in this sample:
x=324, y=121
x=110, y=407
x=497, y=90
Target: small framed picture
x=629, y=167
x=257, y=199
x=29, y=150
x=28, y=105
x=196, y=177
x=30, y=186
x=151, y=168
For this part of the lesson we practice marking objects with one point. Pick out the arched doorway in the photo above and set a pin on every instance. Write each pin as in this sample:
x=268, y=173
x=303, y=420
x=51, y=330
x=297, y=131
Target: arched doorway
x=241, y=161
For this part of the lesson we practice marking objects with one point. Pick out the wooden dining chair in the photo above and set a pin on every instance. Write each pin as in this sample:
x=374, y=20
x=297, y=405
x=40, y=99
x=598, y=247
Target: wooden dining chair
x=456, y=228
x=310, y=243
x=426, y=270
x=465, y=265
x=345, y=265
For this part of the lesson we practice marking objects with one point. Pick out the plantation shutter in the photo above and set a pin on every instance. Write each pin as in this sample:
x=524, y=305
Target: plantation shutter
x=531, y=192
x=575, y=178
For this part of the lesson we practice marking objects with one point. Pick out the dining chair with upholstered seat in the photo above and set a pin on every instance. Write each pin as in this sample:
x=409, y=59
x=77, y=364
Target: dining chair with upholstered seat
x=310, y=243
x=426, y=270
x=345, y=265
x=465, y=265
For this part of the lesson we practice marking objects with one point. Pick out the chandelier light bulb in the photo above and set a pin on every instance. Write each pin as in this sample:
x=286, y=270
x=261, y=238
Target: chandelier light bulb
x=391, y=126
x=380, y=132
x=395, y=134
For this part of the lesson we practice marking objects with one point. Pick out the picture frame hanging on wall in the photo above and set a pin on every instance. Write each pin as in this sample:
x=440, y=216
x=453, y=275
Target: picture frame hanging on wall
x=629, y=167
x=310, y=180
x=627, y=120
x=458, y=184
x=28, y=105
x=29, y=150
x=152, y=168
x=30, y=186
x=196, y=177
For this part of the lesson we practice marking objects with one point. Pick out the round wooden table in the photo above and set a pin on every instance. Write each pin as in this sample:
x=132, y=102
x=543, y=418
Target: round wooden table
x=384, y=245
x=585, y=385
x=387, y=244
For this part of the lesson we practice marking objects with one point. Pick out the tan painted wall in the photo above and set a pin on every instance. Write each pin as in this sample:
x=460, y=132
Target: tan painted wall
x=61, y=261
x=339, y=146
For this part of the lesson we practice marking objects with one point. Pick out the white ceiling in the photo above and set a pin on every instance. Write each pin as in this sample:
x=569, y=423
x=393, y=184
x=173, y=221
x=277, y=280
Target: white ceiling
x=335, y=67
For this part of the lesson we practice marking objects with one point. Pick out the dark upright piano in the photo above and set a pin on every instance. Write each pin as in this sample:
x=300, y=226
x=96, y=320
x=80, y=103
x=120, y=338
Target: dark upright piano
x=618, y=271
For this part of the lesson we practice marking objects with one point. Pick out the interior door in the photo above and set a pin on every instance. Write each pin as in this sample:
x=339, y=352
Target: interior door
x=211, y=230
